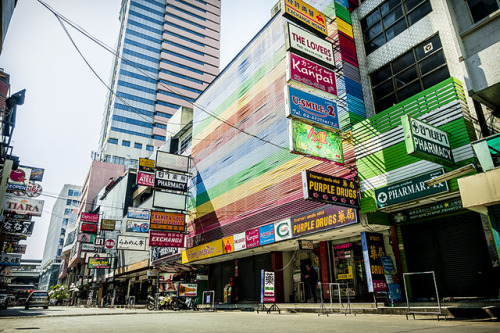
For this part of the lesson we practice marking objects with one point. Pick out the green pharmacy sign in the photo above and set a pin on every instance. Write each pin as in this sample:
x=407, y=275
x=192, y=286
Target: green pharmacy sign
x=426, y=142
x=313, y=141
x=409, y=190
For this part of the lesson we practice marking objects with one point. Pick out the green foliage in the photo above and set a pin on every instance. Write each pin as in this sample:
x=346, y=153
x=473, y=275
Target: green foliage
x=59, y=293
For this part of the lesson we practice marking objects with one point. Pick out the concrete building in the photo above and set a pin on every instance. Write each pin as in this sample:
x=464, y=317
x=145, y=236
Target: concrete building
x=168, y=53
x=63, y=214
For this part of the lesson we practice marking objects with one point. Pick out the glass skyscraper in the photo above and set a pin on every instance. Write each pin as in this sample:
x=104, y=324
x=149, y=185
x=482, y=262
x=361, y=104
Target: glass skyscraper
x=167, y=54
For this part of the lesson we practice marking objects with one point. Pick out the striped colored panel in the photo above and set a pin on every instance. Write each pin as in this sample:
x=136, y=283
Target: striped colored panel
x=343, y=3
x=348, y=49
x=350, y=71
x=344, y=27
x=342, y=12
x=353, y=88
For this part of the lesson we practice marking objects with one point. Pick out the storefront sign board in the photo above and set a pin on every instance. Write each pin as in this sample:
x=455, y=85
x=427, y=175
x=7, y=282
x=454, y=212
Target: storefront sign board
x=137, y=213
x=240, y=241
x=372, y=245
x=23, y=206
x=99, y=263
x=203, y=251
x=86, y=238
x=282, y=230
x=309, y=74
x=169, y=200
x=306, y=14
x=172, y=162
x=131, y=243
x=167, y=221
x=330, y=189
x=89, y=217
x=266, y=234
x=108, y=224
x=146, y=179
x=139, y=226
x=314, y=141
x=252, y=237
x=427, y=211
x=323, y=219
x=166, y=239
x=171, y=181
x=89, y=228
x=228, y=243
x=146, y=165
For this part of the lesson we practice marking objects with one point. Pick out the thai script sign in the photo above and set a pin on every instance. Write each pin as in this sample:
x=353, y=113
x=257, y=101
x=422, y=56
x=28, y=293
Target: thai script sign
x=187, y=289
x=89, y=227
x=23, y=206
x=172, y=161
x=204, y=251
x=167, y=221
x=10, y=259
x=312, y=109
x=171, y=181
x=86, y=238
x=409, y=190
x=99, y=263
x=305, y=13
x=146, y=165
x=145, y=179
x=323, y=219
x=282, y=230
x=427, y=142
x=138, y=213
x=98, y=242
x=266, y=234
x=252, y=238
x=137, y=226
x=308, y=73
x=330, y=189
x=240, y=241
x=313, y=141
x=166, y=239
x=131, y=243
x=309, y=45
x=108, y=224
x=89, y=217
x=372, y=245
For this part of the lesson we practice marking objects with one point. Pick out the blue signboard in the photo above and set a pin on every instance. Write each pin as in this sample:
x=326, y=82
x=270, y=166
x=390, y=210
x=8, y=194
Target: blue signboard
x=266, y=234
x=312, y=109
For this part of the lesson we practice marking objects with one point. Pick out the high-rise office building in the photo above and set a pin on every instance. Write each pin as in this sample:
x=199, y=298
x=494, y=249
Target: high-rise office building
x=167, y=54
x=63, y=214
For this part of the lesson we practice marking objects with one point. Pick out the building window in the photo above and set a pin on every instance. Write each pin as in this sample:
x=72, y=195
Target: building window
x=68, y=202
x=70, y=193
x=113, y=141
x=65, y=221
x=138, y=145
x=134, y=163
x=162, y=126
x=118, y=160
x=149, y=148
x=479, y=9
x=159, y=137
x=390, y=19
x=67, y=211
x=125, y=143
x=416, y=70
x=185, y=144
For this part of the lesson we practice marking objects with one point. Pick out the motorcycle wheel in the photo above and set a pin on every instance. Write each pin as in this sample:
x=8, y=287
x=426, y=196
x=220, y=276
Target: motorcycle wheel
x=150, y=306
x=195, y=307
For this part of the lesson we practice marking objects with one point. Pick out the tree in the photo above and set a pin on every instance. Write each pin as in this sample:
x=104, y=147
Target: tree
x=58, y=293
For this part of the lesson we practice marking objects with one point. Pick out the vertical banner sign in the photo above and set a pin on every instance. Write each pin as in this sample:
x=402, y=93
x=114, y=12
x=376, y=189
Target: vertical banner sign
x=310, y=74
x=373, y=249
x=391, y=278
x=313, y=141
x=311, y=109
x=267, y=290
x=426, y=142
x=302, y=12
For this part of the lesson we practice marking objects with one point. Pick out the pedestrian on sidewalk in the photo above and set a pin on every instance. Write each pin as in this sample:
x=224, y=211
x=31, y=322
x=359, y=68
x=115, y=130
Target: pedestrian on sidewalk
x=310, y=281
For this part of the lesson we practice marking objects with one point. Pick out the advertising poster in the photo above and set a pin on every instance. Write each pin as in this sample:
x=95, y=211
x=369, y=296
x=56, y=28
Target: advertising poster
x=312, y=109
x=310, y=74
x=166, y=239
x=139, y=226
x=313, y=141
x=267, y=287
x=252, y=237
x=373, y=249
x=392, y=280
x=187, y=289
x=330, y=189
x=240, y=241
x=36, y=174
x=266, y=234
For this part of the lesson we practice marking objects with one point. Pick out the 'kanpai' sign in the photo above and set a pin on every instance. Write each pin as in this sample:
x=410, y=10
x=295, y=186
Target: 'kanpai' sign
x=409, y=190
x=330, y=189
x=427, y=142
x=24, y=206
x=171, y=181
x=323, y=219
x=308, y=73
x=309, y=45
x=145, y=179
x=167, y=221
x=309, y=15
x=166, y=239
x=311, y=109
x=313, y=141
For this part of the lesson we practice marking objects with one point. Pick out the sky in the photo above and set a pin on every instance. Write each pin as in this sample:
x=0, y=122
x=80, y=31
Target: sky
x=59, y=124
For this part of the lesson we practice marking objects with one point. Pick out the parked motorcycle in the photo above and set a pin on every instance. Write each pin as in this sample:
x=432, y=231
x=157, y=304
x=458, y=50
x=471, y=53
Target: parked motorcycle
x=164, y=303
x=180, y=304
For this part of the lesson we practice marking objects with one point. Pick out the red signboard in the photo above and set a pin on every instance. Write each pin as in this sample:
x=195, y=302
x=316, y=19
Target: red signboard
x=88, y=217
x=89, y=227
x=167, y=221
x=166, y=239
x=311, y=74
x=253, y=238
x=146, y=179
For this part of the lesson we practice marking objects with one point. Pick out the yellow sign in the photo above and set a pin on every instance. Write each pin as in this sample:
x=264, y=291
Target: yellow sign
x=346, y=276
x=146, y=164
x=228, y=244
x=307, y=14
x=204, y=251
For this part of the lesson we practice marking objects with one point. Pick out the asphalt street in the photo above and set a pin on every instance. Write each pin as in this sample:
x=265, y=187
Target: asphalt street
x=65, y=319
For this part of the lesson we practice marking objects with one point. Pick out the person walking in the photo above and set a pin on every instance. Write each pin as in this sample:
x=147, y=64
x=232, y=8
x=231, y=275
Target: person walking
x=311, y=279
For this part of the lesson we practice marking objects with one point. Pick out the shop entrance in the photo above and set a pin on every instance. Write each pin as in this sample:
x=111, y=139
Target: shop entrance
x=455, y=249
x=348, y=268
